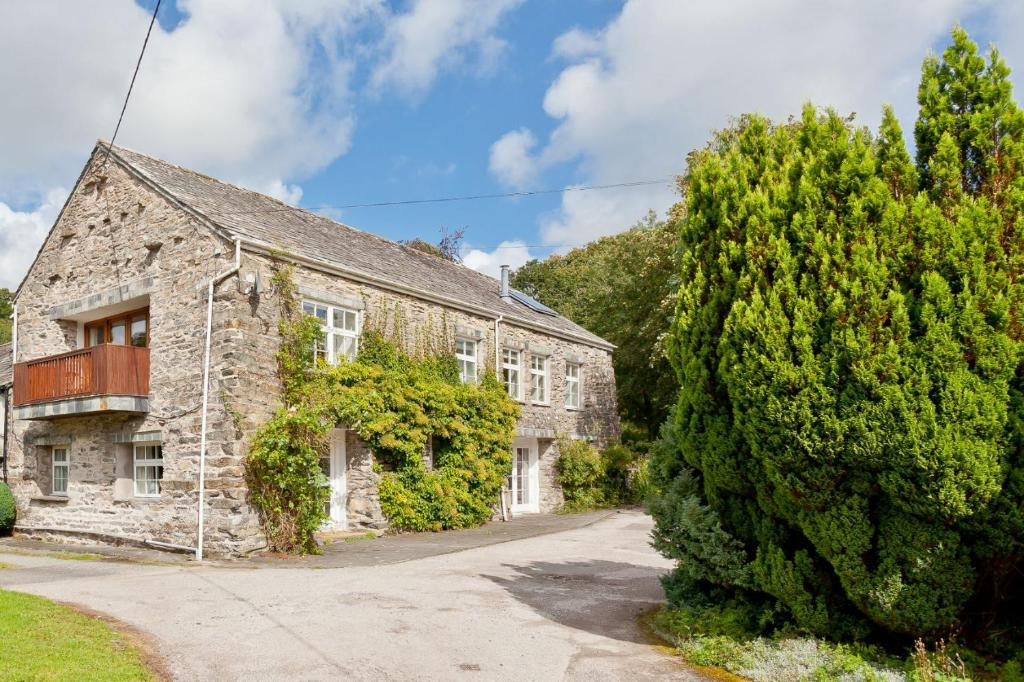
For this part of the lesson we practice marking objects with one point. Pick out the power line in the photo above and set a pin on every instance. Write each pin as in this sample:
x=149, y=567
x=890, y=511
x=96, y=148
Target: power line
x=131, y=85
x=472, y=197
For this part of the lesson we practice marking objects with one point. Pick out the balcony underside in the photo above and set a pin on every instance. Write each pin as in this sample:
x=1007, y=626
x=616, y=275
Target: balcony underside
x=83, y=405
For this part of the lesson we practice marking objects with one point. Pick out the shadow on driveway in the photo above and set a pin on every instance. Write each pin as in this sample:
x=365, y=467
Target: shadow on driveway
x=601, y=597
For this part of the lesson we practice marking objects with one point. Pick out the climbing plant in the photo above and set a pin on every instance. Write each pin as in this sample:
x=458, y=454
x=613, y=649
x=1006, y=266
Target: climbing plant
x=401, y=397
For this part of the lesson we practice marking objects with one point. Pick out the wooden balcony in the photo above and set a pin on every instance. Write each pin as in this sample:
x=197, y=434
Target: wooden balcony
x=104, y=378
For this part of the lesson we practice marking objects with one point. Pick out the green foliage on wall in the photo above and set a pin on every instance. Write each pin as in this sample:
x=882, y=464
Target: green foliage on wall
x=6, y=310
x=398, y=404
x=848, y=438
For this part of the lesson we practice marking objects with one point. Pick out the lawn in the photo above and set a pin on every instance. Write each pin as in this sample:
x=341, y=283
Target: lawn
x=41, y=640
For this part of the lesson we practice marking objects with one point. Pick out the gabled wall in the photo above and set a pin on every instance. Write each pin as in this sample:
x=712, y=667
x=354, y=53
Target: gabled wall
x=114, y=231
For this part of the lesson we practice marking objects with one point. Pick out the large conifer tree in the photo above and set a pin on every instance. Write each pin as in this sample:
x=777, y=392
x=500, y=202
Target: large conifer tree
x=847, y=442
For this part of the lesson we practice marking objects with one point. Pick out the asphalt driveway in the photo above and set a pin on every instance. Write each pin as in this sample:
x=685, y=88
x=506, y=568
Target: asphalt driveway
x=558, y=606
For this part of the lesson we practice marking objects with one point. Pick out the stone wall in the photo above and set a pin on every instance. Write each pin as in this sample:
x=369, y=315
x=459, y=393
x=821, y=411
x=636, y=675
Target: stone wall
x=112, y=232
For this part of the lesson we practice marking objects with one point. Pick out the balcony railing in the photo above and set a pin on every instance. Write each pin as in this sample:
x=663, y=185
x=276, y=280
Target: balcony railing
x=105, y=370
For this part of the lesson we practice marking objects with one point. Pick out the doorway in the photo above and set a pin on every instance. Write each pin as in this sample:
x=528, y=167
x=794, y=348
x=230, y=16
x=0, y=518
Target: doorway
x=525, y=480
x=337, y=475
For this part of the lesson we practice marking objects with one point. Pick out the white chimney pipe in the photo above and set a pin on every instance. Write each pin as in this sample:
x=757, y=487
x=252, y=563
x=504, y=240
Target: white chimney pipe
x=504, y=282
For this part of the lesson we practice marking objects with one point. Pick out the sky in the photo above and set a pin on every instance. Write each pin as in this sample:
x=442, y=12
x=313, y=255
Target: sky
x=330, y=103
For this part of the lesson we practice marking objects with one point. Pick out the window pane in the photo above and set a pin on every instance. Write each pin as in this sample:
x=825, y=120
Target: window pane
x=117, y=332
x=60, y=455
x=94, y=336
x=344, y=347
x=139, y=331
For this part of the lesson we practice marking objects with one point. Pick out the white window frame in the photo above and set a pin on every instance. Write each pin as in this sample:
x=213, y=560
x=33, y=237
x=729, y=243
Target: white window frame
x=146, y=462
x=570, y=381
x=65, y=464
x=326, y=346
x=466, y=358
x=545, y=383
x=508, y=367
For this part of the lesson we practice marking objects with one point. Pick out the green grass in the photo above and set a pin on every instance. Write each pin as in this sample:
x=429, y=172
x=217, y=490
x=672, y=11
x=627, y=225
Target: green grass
x=369, y=535
x=44, y=641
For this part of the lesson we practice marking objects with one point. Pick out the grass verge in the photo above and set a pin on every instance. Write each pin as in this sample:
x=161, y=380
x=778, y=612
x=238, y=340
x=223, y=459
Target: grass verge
x=42, y=640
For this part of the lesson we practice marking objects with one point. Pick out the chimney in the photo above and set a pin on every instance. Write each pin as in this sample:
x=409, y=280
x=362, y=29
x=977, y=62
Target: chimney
x=504, y=282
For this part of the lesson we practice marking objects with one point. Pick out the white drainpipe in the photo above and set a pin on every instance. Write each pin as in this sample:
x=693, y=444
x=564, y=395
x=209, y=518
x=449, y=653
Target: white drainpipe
x=497, y=347
x=14, y=335
x=206, y=391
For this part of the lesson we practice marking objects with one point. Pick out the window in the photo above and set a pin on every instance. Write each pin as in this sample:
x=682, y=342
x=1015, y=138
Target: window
x=340, y=332
x=538, y=379
x=572, y=385
x=510, y=372
x=130, y=329
x=61, y=471
x=149, y=470
x=465, y=353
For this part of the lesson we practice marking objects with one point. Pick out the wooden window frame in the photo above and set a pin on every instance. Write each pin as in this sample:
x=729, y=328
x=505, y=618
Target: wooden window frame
x=107, y=322
x=65, y=465
x=570, y=382
x=467, y=357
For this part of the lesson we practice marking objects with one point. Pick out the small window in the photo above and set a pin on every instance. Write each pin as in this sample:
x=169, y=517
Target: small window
x=465, y=353
x=340, y=339
x=572, y=385
x=124, y=329
x=538, y=379
x=510, y=372
x=149, y=470
x=61, y=471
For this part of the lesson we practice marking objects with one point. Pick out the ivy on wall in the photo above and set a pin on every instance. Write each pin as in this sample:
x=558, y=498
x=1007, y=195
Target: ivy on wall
x=400, y=398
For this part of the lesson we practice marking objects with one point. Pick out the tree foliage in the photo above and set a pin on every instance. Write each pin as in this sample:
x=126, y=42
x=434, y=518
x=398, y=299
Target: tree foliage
x=6, y=310
x=847, y=442
x=621, y=288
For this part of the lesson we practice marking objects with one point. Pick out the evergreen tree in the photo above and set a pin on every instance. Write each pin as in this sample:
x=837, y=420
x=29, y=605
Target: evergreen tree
x=847, y=440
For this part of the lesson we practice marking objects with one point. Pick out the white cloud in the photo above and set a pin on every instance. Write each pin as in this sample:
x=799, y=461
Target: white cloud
x=259, y=92
x=438, y=34
x=511, y=162
x=513, y=253
x=289, y=194
x=21, y=233
x=641, y=92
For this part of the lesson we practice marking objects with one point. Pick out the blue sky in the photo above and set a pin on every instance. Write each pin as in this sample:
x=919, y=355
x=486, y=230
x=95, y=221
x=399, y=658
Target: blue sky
x=336, y=102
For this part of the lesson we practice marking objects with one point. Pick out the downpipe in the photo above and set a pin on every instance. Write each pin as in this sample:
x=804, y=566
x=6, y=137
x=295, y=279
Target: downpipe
x=206, y=393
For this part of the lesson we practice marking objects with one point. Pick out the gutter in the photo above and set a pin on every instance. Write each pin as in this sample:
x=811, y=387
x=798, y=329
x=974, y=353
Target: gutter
x=206, y=393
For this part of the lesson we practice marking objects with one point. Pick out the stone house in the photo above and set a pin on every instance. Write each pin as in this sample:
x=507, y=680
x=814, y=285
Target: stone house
x=154, y=276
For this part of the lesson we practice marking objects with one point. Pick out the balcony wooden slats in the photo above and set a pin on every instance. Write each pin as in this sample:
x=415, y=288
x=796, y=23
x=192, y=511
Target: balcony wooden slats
x=100, y=370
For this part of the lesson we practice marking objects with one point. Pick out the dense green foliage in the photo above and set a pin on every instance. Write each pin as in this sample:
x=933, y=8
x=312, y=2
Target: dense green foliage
x=397, y=405
x=8, y=510
x=621, y=288
x=592, y=478
x=6, y=310
x=847, y=444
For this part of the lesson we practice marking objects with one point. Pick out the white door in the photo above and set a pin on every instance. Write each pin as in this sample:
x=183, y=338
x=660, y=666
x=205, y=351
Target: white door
x=339, y=481
x=525, y=487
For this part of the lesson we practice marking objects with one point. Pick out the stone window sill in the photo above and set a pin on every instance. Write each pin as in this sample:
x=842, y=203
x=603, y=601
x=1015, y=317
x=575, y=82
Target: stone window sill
x=142, y=500
x=49, y=498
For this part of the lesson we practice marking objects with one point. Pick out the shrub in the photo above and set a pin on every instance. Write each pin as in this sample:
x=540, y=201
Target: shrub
x=581, y=473
x=848, y=340
x=8, y=510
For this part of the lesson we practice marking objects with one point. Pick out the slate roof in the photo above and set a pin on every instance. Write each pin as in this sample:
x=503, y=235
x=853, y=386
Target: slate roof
x=6, y=373
x=243, y=213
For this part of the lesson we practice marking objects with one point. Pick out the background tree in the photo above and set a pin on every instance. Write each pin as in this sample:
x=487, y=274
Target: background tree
x=846, y=448
x=6, y=310
x=448, y=247
x=622, y=288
